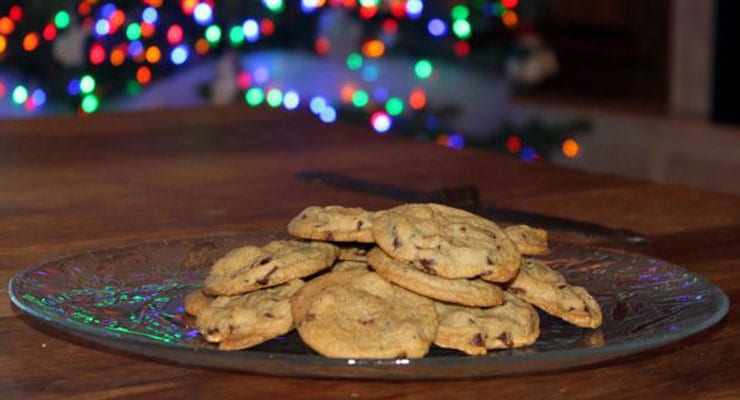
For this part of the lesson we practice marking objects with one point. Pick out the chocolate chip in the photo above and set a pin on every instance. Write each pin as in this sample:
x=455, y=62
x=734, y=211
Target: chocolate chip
x=265, y=279
x=396, y=243
x=268, y=315
x=477, y=340
x=366, y=321
x=516, y=290
x=212, y=331
x=561, y=286
x=489, y=261
x=359, y=225
x=309, y=317
x=265, y=260
x=463, y=229
x=426, y=266
x=505, y=338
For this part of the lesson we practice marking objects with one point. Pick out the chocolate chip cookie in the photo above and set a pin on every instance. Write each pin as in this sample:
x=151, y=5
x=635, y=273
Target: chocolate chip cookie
x=358, y=314
x=452, y=242
x=251, y=268
x=546, y=289
x=333, y=223
x=414, y=276
x=242, y=321
x=474, y=331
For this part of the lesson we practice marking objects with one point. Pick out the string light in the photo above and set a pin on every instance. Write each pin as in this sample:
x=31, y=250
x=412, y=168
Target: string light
x=179, y=54
x=571, y=148
x=20, y=94
x=7, y=26
x=381, y=121
x=61, y=19
x=213, y=34
x=31, y=41
x=119, y=38
x=373, y=48
x=354, y=61
x=513, y=144
x=417, y=99
x=203, y=14
x=254, y=96
x=274, y=98
x=394, y=106
x=291, y=100
x=251, y=30
x=174, y=34
x=143, y=75
x=423, y=69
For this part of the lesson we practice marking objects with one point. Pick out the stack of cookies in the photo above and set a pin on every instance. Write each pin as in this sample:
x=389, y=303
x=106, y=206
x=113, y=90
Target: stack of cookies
x=389, y=284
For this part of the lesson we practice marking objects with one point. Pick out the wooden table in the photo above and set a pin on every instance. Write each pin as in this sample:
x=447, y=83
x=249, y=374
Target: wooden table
x=68, y=184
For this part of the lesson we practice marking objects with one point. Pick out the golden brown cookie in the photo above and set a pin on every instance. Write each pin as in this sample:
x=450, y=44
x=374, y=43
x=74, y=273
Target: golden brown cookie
x=238, y=322
x=350, y=265
x=546, y=289
x=514, y=323
x=333, y=223
x=411, y=275
x=451, y=242
x=196, y=301
x=353, y=251
x=251, y=268
x=528, y=240
x=358, y=314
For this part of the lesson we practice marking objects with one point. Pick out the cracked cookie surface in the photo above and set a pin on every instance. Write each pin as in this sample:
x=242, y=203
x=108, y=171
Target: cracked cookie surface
x=250, y=268
x=239, y=322
x=358, y=314
x=451, y=242
x=333, y=223
x=545, y=288
x=410, y=275
x=474, y=331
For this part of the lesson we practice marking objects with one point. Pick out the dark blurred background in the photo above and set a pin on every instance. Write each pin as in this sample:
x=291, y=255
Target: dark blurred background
x=647, y=89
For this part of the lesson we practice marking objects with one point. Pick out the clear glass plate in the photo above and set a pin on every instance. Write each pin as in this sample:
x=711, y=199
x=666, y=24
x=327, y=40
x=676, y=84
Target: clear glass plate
x=130, y=298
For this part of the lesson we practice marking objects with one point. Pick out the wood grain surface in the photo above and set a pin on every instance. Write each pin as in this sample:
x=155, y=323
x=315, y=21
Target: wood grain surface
x=69, y=184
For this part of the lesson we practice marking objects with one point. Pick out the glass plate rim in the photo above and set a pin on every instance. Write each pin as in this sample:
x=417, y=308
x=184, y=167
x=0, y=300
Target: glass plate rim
x=608, y=351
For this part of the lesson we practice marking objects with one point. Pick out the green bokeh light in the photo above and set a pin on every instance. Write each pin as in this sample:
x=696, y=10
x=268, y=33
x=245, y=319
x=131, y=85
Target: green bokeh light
x=90, y=103
x=423, y=69
x=213, y=34
x=20, y=94
x=360, y=98
x=254, y=96
x=275, y=6
x=462, y=29
x=133, y=31
x=354, y=61
x=394, y=106
x=87, y=84
x=61, y=19
x=274, y=98
x=460, y=12
x=236, y=35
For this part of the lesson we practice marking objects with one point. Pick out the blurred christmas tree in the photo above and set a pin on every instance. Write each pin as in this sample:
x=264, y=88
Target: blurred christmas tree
x=88, y=55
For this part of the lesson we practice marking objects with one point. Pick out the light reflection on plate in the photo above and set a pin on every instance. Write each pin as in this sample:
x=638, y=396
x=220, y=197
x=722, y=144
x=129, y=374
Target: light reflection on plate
x=130, y=298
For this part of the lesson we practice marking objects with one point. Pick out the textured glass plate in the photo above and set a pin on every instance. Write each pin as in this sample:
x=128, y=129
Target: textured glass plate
x=130, y=298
